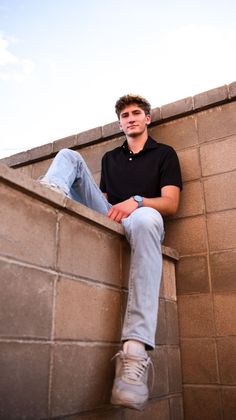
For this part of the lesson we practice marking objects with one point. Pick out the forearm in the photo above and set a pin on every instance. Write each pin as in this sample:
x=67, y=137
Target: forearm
x=165, y=205
x=168, y=203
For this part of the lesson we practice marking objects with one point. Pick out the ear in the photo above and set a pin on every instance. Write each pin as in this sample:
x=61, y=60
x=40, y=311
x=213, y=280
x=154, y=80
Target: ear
x=120, y=126
x=148, y=119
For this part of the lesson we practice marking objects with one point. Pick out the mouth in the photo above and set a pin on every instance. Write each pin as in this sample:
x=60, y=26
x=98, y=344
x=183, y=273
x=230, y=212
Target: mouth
x=132, y=126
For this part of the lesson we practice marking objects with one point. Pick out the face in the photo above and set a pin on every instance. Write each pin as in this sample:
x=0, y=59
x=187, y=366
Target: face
x=134, y=121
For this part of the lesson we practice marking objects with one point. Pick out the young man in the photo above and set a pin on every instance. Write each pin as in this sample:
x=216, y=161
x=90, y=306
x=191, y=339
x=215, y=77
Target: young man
x=140, y=183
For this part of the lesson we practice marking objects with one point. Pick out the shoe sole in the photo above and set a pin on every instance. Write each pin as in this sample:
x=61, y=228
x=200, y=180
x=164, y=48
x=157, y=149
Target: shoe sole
x=128, y=404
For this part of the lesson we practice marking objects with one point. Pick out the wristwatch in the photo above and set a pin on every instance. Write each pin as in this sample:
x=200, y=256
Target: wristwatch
x=139, y=200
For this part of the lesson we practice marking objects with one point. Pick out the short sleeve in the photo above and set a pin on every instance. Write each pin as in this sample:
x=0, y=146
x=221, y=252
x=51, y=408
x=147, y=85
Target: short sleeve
x=170, y=172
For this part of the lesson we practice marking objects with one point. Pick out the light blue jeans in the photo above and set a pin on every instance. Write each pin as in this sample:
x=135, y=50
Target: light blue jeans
x=144, y=230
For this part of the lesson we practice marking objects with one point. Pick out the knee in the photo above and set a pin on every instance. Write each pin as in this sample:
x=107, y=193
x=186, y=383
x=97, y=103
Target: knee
x=148, y=220
x=69, y=154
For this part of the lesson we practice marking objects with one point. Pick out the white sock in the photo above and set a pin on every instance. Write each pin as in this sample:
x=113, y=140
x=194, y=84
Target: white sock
x=134, y=347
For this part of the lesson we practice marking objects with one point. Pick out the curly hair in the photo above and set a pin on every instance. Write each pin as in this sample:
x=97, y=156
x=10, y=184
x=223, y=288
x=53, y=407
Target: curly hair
x=131, y=99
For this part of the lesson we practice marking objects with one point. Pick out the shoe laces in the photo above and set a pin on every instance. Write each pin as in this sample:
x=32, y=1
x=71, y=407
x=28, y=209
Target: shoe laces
x=135, y=367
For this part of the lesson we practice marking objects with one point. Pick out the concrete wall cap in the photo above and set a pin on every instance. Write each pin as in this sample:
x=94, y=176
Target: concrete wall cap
x=177, y=109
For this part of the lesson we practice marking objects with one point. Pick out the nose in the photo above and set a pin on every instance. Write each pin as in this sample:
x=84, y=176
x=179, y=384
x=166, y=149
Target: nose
x=131, y=118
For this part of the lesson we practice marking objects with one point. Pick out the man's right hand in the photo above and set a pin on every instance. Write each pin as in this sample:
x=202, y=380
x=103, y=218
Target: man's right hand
x=122, y=210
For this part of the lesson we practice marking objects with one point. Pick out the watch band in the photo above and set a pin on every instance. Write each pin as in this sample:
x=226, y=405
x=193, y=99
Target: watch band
x=138, y=200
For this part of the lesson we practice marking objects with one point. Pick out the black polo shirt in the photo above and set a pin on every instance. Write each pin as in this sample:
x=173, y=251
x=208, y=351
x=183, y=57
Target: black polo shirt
x=125, y=173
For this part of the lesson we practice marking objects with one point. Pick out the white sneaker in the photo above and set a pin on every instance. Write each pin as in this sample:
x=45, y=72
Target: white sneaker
x=130, y=385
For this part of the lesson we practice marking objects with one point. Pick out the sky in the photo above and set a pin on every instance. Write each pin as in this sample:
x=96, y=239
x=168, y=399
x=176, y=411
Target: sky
x=64, y=63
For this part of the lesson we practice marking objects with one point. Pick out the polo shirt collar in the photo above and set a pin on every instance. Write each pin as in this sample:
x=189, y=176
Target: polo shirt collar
x=150, y=144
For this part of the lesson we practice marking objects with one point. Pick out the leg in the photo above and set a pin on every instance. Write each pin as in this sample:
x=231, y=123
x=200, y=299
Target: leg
x=144, y=230
x=71, y=175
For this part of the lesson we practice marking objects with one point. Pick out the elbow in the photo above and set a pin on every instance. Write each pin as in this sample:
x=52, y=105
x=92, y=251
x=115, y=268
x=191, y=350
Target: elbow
x=172, y=209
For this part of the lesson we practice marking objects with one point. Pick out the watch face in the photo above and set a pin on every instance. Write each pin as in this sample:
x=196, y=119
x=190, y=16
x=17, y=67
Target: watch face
x=138, y=198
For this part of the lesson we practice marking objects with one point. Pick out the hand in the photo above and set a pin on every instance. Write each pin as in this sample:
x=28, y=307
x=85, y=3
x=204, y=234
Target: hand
x=122, y=210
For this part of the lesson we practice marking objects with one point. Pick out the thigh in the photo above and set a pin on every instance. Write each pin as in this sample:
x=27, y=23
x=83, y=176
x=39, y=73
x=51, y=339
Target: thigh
x=143, y=220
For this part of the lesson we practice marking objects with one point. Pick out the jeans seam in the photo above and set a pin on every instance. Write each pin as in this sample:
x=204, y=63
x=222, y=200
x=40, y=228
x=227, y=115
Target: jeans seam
x=130, y=286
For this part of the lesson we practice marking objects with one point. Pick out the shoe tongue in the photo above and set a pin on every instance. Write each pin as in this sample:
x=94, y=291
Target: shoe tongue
x=134, y=350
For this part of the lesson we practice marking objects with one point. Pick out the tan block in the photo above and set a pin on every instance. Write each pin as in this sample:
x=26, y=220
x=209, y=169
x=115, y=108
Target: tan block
x=25, y=170
x=222, y=230
x=229, y=403
x=156, y=114
x=17, y=159
x=217, y=122
x=65, y=143
x=220, y=192
x=97, y=177
x=199, y=362
x=40, y=168
x=196, y=317
x=155, y=410
x=223, y=271
x=28, y=228
x=82, y=378
x=26, y=299
x=202, y=403
x=168, y=281
x=232, y=90
x=227, y=360
x=172, y=323
x=190, y=164
x=161, y=331
x=225, y=314
x=191, y=203
x=87, y=312
x=124, y=301
x=174, y=369
x=176, y=408
x=186, y=235
x=125, y=263
x=111, y=129
x=192, y=275
x=177, y=108
x=218, y=157
x=40, y=152
x=161, y=381
x=93, y=154
x=106, y=413
x=180, y=133
x=88, y=251
x=211, y=97
x=24, y=380
x=89, y=136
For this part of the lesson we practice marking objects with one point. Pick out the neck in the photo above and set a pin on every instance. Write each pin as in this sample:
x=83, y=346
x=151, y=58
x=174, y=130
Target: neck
x=137, y=143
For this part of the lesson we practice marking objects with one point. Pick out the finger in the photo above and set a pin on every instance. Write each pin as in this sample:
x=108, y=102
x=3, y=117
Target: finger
x=119, y=217
x=110, y=211
x=113, y=214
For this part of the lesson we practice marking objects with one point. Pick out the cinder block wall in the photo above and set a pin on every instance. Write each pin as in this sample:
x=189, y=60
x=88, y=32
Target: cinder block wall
x=203, y=131
x=204, y=232
x=63, y=288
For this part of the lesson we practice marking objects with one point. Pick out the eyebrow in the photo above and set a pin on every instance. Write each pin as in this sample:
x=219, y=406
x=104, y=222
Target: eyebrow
x=135, y=111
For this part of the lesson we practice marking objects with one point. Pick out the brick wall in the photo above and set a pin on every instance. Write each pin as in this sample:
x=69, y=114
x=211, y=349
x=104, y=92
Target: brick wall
x=203, y=131
x=63, y=288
